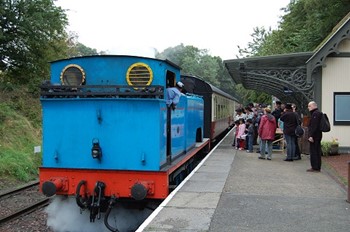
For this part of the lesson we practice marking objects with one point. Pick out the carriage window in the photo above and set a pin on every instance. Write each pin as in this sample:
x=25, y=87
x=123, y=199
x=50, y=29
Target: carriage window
x=215, y=109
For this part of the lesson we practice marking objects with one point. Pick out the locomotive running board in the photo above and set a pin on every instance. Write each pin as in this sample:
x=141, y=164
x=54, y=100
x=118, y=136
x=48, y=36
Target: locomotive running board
x=180, y=160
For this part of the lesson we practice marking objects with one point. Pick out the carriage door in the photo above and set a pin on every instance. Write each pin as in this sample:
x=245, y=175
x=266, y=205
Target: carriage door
x=170, y=82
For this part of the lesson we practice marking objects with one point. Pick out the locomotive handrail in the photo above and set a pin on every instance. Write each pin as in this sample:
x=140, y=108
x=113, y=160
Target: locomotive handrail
x=91, y=91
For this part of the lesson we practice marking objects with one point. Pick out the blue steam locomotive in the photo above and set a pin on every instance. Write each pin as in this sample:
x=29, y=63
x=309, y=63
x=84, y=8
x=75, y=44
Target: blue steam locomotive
x=109, y=137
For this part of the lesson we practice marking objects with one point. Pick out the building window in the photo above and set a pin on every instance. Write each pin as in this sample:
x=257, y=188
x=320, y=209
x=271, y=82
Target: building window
x=341, y=108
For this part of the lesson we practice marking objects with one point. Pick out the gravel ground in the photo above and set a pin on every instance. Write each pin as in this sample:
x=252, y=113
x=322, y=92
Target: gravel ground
x=8, y=184
x=33, y=222
x=20, y=200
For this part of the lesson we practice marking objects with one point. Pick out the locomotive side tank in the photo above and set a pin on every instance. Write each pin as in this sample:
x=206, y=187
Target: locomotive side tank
x=105, y=130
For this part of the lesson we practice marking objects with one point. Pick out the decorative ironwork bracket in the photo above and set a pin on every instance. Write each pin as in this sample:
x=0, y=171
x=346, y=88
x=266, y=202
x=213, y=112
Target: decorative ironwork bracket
x=330, y=46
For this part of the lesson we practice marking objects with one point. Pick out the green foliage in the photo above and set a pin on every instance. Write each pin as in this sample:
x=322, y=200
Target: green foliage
x=308, y=23
x=20, y=99
x=304, y=26
x=20, y=165
x=18, y=138
x=78, y=49
x=255, y=47
x=82, y=50
x=325, y=147
x=198, y=62
x=329, y=147
x=252, y=96
x=32, y=33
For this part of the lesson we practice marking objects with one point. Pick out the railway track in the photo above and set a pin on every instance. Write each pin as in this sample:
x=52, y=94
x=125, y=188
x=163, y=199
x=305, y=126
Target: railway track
x=21, y=201
x=19, y=189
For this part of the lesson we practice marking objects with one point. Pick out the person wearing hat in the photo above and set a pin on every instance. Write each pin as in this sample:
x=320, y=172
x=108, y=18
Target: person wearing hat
x=173, y=95
x=290, y=122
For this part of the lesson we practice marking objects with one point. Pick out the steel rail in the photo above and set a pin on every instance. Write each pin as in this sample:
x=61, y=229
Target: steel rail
x=19, y=189
x=25, y=211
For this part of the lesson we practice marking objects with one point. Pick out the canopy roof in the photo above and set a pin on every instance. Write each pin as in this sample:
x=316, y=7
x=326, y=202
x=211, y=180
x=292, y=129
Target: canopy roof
x=283, y=76
x=290, y=77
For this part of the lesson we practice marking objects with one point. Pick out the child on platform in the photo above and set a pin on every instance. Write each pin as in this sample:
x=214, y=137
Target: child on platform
x=241, y=135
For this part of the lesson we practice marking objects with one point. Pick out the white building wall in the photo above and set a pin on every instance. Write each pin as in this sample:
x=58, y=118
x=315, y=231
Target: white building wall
x=336, y=78
x=344, y=46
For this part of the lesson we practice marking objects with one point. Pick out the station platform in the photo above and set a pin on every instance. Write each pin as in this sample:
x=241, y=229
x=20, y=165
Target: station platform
x=233, y=190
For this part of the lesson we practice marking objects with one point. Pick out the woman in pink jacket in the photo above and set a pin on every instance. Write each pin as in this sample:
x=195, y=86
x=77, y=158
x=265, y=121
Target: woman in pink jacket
x=267, y=130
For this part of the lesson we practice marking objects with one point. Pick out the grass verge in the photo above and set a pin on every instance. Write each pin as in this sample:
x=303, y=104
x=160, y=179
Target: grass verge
x=19, y=132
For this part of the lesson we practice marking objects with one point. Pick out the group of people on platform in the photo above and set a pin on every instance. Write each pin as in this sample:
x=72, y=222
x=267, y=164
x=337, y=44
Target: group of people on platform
x=257, y=124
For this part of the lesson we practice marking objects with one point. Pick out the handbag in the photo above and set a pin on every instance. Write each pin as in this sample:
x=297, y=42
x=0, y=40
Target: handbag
x=299, y=131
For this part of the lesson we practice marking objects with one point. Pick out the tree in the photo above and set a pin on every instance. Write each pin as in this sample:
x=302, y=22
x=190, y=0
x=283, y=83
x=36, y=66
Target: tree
x=193, y=61
x=198, y=62
x=225, y=81
x=304, y=26
x=254, y=47
x=78, y=49
x=32, y=32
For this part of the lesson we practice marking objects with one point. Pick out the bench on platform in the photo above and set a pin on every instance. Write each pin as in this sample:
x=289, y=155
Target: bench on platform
x=278, y=143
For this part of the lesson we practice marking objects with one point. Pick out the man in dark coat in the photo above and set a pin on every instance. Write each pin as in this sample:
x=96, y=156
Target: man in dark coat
x=278, y=111
x=290, y=122
x=297, y=149
x=315, y=137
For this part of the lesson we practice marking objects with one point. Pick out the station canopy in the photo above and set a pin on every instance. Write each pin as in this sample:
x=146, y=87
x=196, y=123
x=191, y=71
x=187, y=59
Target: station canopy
x=283, y=76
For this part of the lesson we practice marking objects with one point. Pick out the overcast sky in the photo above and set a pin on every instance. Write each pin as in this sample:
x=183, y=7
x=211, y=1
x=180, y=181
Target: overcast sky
x=137, y=27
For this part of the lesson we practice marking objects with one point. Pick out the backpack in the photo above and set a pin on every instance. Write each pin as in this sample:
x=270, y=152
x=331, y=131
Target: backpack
x=325, y=126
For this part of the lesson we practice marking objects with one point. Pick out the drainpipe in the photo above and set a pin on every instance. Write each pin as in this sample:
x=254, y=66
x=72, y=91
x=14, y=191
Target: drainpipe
x=348, y=182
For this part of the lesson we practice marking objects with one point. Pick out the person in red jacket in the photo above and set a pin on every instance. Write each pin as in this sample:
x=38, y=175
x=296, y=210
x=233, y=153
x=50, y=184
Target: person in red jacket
x=267, y=130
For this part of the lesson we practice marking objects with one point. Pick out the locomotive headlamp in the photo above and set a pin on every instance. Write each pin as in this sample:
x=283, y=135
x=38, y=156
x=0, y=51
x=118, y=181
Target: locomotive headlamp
x=96, y=150
x=73, y=75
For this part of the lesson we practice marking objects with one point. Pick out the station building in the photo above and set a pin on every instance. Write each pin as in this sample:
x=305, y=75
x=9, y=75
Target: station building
x=322, y=76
